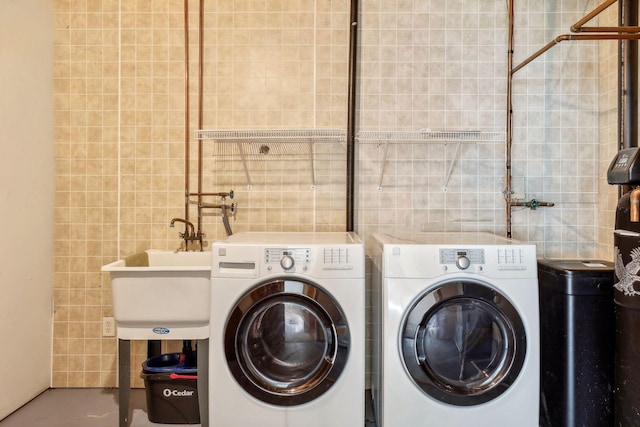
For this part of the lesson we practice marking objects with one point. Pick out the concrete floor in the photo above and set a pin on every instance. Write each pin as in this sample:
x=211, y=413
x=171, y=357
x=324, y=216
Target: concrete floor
x=93, y=407
x=66, y=407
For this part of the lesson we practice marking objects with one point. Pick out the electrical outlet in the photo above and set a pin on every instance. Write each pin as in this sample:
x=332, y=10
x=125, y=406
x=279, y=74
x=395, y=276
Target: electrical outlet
x=108, y=327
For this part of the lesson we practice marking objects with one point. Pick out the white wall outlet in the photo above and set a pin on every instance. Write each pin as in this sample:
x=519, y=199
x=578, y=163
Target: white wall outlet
x=108, y=327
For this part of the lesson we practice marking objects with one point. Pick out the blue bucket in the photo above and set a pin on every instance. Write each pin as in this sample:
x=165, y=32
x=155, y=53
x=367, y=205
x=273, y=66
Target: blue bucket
x=168, y=364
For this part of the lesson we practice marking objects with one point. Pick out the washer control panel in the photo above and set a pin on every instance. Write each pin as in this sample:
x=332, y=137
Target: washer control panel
x=303, y=260
x=288, y=258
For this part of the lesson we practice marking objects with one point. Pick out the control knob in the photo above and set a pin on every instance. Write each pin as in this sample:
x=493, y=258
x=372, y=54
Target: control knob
x=463, y=262
x=287, y=262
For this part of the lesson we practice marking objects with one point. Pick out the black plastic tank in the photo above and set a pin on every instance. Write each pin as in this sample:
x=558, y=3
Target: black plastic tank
x=626, y=294
x=576, y=343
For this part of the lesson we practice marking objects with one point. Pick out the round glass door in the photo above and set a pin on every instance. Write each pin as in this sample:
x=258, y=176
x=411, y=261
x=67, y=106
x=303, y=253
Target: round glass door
x=286, y=342
x=463, y=343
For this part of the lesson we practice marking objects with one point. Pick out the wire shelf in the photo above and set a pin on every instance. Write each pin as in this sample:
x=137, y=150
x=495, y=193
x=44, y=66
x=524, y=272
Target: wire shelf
x=271, y=135
x=426, y=135
x=256, y=147
x=385, y=138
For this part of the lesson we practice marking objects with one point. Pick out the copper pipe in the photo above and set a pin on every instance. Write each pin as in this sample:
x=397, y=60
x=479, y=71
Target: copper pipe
x=221, y=194
x=508, y=192
x=607, y=30
x=215, y=205
x=186, y=109
x=200, y=104
x=634, y=199
x=565, y=37
x=575, y=28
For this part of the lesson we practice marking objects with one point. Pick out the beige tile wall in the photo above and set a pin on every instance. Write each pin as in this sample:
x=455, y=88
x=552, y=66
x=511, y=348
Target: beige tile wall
x=442, y=66
x=120, y=132
x=120, y=138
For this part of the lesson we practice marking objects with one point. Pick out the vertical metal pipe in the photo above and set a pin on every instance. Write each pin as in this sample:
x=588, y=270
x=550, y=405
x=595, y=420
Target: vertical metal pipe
x=509, y=131
x=186, y=110
x=351, y=115
x=622, y=189
x=627, y=83
x=124, y=381
x=630, y=71
x=621, y=49
x=154, y=348
x=200, y=108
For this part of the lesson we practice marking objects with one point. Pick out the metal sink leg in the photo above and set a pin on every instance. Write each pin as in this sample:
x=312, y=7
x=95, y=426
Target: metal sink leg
x=124, y=381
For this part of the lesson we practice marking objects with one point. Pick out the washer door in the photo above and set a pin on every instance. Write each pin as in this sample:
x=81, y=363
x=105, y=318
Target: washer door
x=463, y=343
x=286, y=342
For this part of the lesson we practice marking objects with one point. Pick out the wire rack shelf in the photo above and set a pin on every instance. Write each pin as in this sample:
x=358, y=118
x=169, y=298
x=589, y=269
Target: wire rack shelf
x=427, y=135
x=385, y=138
x=255, y=147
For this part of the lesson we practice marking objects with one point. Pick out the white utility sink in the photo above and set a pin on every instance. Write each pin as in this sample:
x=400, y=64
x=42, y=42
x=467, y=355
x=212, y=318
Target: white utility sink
x=161, y=295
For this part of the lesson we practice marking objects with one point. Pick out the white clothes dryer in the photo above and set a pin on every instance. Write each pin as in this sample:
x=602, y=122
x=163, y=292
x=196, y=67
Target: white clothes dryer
x=456, y=331
x=287, y=330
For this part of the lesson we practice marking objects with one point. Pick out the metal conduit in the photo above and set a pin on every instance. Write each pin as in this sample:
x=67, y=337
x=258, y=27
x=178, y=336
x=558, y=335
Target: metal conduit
x=629, y=31
x=351, y=115
x=629, y=89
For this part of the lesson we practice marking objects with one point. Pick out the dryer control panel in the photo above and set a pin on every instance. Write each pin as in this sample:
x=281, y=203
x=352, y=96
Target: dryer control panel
x=288, y=258
x=462, y=258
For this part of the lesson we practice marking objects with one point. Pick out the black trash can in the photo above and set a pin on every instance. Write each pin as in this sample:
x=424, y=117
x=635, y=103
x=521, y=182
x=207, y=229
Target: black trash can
x=171, y=389
x=576, y=343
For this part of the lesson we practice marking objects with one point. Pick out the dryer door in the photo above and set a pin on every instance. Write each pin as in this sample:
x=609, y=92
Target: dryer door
x=463, y=343
x=286, y=342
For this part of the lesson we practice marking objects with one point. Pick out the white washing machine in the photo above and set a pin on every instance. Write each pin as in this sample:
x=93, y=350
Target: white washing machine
x=456, y=331
x=287, y=330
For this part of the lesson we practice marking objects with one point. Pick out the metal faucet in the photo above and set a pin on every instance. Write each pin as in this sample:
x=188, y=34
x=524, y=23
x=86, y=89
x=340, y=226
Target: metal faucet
x=189, y=232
